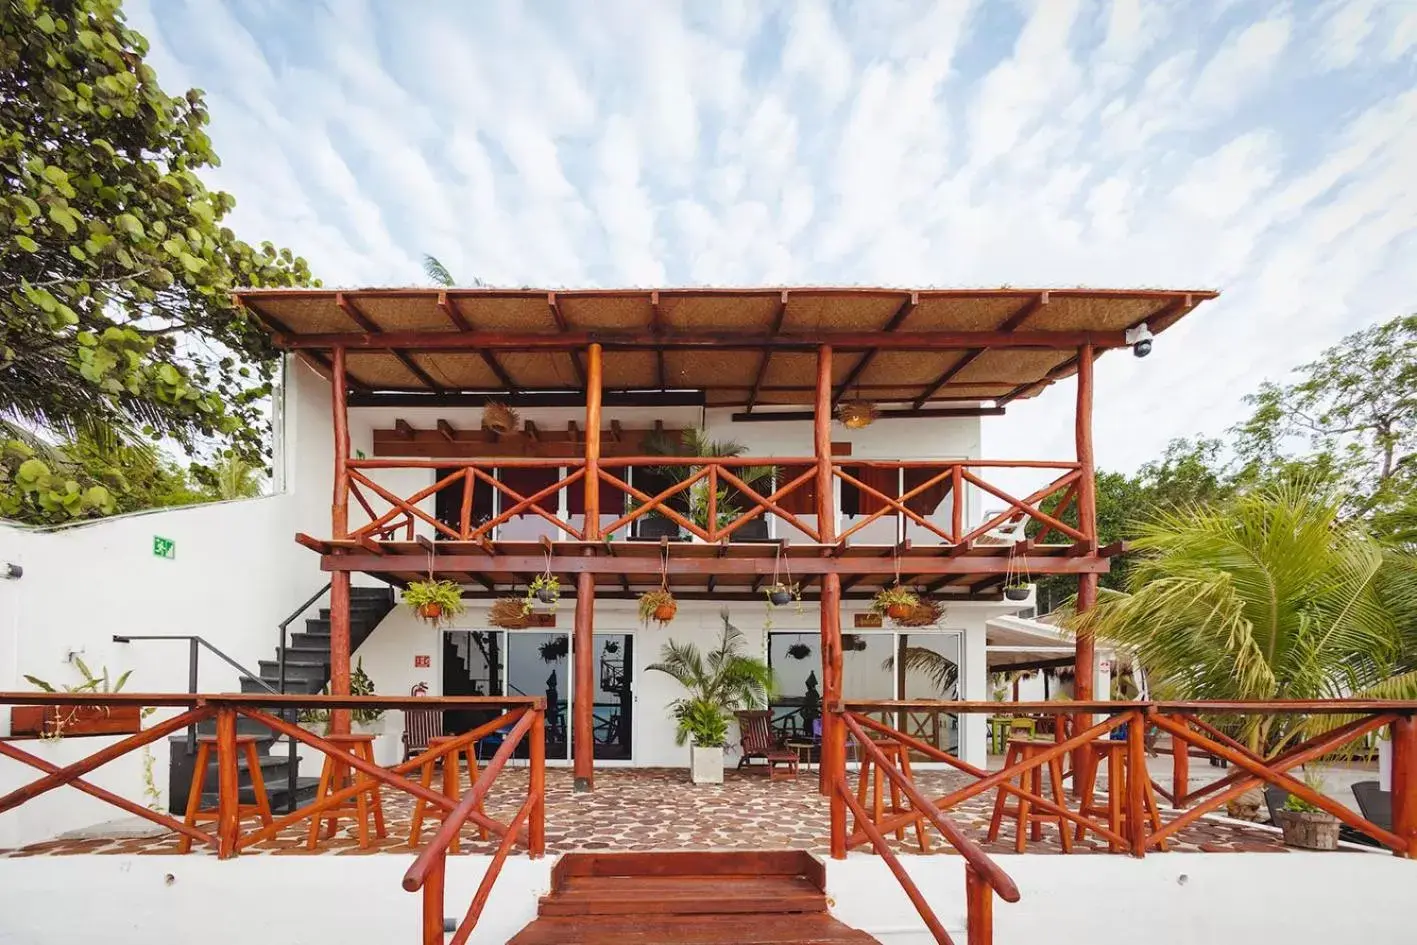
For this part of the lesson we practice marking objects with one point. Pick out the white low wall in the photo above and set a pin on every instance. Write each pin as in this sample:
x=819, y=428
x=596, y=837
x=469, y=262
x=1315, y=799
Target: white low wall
x=1176, y=899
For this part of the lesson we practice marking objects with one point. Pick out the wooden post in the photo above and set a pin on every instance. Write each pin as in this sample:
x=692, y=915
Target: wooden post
x=832, y=762
x=228, y=816
x=822, y=439
x=582, y=720
x=339, y=406
x=433, y=933
x=536, y=824
x=1404, y=782
x=979, y=908
x=339, y=648
x=836, y=748
x=1087, y=484
x=1138, y=780
x=1180, y=768
x=594, y=373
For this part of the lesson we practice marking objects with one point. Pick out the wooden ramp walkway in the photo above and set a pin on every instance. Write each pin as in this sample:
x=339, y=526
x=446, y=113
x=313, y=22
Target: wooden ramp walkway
x=687, y=898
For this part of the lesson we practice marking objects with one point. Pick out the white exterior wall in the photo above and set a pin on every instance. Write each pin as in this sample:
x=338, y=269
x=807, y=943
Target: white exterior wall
x=1165, y=899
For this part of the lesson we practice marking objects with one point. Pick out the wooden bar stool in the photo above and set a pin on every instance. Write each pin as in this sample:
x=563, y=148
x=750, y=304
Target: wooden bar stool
x=1030, y=821
x=452, y=785
x=337, y=775
x=872, y=774
x=196, y=813
x=1118, y=772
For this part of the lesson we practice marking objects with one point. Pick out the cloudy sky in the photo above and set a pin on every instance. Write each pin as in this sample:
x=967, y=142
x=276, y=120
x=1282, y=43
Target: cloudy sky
x=1265, y=149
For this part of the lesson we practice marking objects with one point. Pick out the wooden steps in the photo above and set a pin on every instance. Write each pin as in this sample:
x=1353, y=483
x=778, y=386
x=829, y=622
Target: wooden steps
x=687, y=898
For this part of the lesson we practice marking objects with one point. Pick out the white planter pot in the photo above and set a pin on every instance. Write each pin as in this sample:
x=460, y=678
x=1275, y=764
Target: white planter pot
x=386, y=744
x=1385, y=764
x=706, y=765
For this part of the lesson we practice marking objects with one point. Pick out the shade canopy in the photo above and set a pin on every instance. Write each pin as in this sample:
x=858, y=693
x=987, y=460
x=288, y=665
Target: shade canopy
x=736, y=346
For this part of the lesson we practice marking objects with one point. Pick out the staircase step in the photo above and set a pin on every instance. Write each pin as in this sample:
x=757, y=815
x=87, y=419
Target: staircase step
x=292, y=685
x=683, y=895
x=296, y=668
x=778, y=929
x=276, y=790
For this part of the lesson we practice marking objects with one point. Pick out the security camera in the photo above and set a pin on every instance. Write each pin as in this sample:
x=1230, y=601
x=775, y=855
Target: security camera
x=1140, y=339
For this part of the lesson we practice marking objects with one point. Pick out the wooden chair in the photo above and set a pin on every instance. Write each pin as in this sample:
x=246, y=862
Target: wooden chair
x=452, y=786
x=207, y=745
x=757, y=741
x=872, y=776
x=1113, y=752
x=1030, y=821
x=419, y=727
x=337, y=775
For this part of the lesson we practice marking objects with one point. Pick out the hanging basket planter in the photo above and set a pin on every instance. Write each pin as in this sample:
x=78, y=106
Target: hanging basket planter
x=926, y=613
x=509, y=613
x=1018, y=591
x=895, y=602
x=659, y=606
x=499, y=418
x=434, y=601
x=780, y=595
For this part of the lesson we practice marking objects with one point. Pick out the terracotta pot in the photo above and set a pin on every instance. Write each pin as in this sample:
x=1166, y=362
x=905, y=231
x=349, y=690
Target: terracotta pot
x=899, y=611
x=1308, y=830
x=430, y=610
x=665, y=612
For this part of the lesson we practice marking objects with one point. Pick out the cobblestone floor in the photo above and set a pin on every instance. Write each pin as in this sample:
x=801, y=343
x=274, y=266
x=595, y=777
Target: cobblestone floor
x=659, y=809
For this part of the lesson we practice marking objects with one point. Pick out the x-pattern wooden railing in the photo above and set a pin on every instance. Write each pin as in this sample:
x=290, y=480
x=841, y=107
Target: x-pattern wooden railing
x=523, y=719
x=1187, y=724
x=402, y=511
x=954, y=476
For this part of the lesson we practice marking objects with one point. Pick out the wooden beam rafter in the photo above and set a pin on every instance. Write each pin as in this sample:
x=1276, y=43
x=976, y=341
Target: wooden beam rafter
x=1013, y=322
x=564, y=327
x=451, y=311
x=901, y=314
x=446, y=429
x=358, y=317
x=773, y=332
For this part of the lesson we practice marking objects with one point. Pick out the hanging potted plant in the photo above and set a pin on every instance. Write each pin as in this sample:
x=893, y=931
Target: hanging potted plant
x=799, y=651
x=780, y=595
x=658, y=605
x=1017, y=583
x=895, y=602
x=434, y=601
x=499, y=418
x=509, y=613
x=544, y=589
x=1017, y=591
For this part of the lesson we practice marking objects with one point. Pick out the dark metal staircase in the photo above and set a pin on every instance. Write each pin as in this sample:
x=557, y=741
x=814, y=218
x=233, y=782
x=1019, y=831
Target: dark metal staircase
x=307, y=670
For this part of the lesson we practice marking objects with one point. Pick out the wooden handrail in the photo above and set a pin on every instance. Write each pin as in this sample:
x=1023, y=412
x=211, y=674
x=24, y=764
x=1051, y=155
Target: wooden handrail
x=1104, y=707
x=972, y=852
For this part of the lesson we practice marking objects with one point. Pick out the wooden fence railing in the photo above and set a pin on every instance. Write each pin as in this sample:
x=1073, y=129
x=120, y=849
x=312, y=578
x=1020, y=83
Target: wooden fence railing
x=713, y=498
x=1197, y=725
x=523, y=719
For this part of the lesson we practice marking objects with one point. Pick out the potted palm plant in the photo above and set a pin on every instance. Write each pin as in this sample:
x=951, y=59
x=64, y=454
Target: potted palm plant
x=717, y=683
x=695, y=506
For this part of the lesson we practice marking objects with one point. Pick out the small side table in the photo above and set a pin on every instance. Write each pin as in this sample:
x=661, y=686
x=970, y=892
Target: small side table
x=803, y=747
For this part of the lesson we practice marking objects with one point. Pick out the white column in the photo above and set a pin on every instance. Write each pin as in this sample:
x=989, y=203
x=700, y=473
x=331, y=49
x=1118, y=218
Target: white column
x=974, y=686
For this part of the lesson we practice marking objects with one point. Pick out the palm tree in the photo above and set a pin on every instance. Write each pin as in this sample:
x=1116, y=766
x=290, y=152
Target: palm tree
x=234, y=478
x=438, y=273
x=723, y=680
x=693, y=442
x=1269, y=595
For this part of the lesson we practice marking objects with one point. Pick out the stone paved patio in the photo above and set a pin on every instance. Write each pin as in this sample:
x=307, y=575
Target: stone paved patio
x=659, y=809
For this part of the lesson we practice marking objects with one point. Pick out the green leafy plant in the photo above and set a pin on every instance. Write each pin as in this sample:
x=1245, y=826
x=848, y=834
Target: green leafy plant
x=697, y=443
x=895, y=601
x=361, y=685
x=434, y=601
x=543, y=589
x=100, y=683
x=719, y=682
x=1314, y=781
x=557, y=648
x=659, y=606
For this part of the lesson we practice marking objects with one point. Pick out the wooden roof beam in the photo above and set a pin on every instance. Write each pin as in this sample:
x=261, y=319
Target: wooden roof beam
x=456, y=317
x=1012, y=323
x=358, y=317
x=777, y=318
x=557, y=316
x=403, y=428
x=656, y=327
x=861, y=365
x=446, y=428
x=529, y=428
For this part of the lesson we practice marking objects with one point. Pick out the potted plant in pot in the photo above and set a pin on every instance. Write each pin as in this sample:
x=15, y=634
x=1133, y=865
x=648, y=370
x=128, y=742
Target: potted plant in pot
x=1017, y=591
x=60, y=721
x=1304, y=825
x=780, y=594
x=370, y=721
x=434, y=601
x=659, y=606
x=717, y=683
x=543, y=589
x=895, y=602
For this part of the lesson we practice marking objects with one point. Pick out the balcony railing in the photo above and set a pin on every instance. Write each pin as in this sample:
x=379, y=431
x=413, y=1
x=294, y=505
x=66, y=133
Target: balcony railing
x=712, y=499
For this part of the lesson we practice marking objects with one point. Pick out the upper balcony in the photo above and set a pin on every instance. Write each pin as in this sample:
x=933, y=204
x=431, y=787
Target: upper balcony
x=787, y=359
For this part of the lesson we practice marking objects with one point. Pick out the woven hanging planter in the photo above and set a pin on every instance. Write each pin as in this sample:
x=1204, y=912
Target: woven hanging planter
x=855, y=414
x=499, y=418
x=509, y=613
x=927, y=613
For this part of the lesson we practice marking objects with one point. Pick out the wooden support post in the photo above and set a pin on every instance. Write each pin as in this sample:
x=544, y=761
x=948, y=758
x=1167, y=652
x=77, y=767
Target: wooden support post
x=1137, y=782
x=536, y=822
x=594, y=374
x=582, y=731
x=1085, y=647
x=836, y=748
x=1180, y=768
x=832, y=763
x=433, y=933
x=1404, y=782
x=1087, y=484
x=979, y=908
x=228, y=816
x=339, y=648
x=822, y=439
x=339, y=405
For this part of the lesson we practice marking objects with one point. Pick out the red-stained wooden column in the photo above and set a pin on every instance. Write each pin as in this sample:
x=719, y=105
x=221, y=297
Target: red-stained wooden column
x=594, y=376
x=1180, y=768
x=583, y=703
x=228, y=815
x=822, y=443
x=831, y=763
x=1087, y=520
x=1404, y=782
x=339, y=580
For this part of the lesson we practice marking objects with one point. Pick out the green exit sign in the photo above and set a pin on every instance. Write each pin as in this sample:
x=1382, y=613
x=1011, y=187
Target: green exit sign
x=164, y=547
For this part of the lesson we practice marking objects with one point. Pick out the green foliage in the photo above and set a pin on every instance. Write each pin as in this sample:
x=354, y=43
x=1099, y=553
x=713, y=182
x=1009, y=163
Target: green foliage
x=114, y=253
x=651, y=601
x=361, y=685
x=92, y=683
x=542, y=582
x=717, y=683
x=695, y=504
x=1314, y=782
x=1271, y=594
x=445, y=594
x=894, y=596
